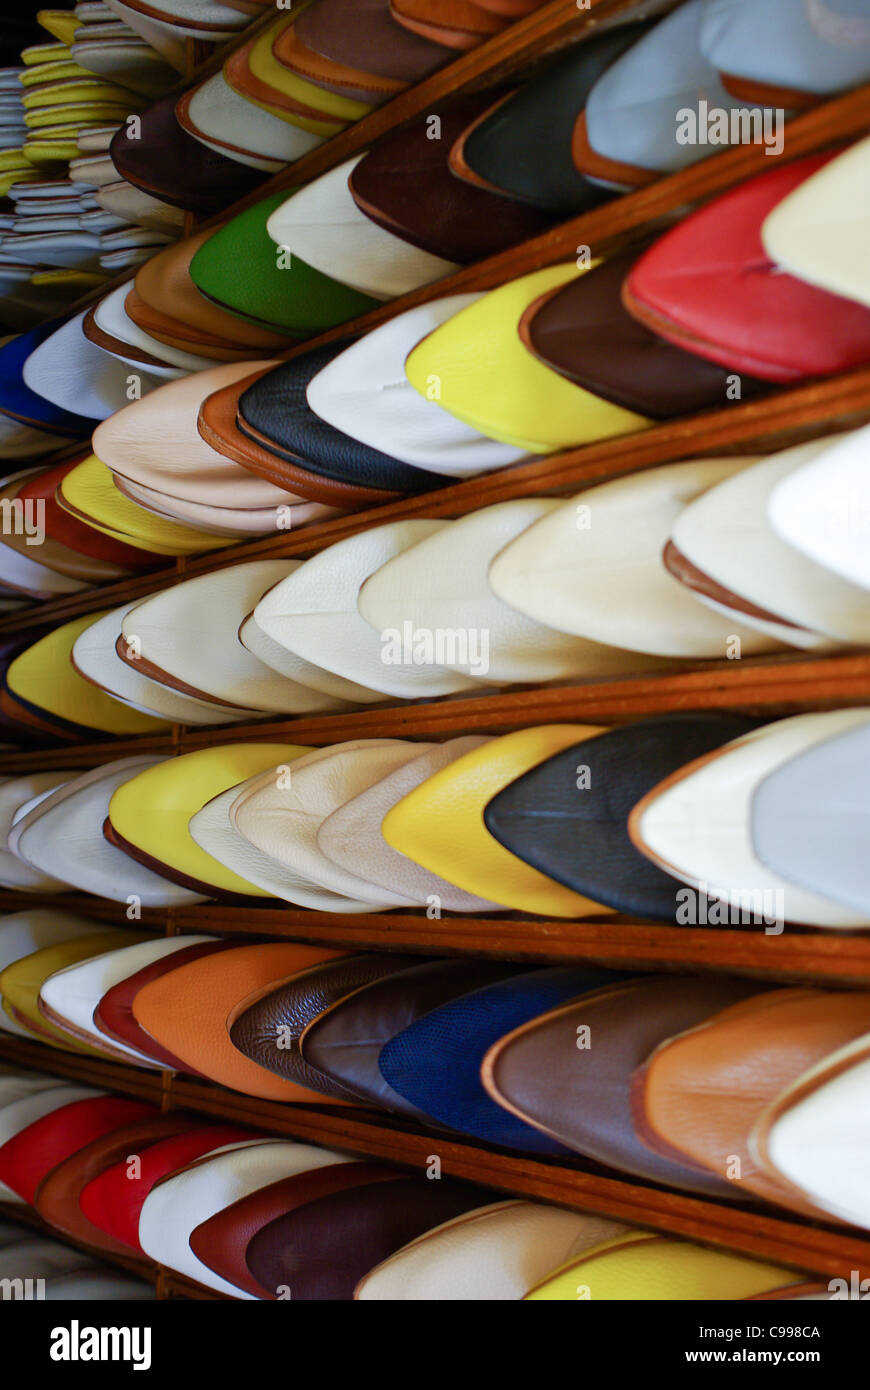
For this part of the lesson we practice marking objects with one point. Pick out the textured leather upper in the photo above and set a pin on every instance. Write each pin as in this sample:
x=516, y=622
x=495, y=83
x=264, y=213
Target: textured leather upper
x=64, y=836
x=31, y=1154
x=582, y=1096
x=268, y=1031
x=702, y=1091
x=345, y=1041
x=323, y=1248
x=59, y=1193
x=641, y=1266
x=281, y=815
x=806, y=509
x=440, y=824
x=496, y=1252
x=190, y=631
x=190, y=1011
x=151, y=811
x=221, y=1242
x=441, y=583
x=808, y=819
x=575, y=828
x=323, y=224
x=276, y=407
x=523, y=145
x=314, y=612
x=406, y=186
x=707, y=283
x=114, y=1015
x=351, y=836
x=697, y=824
x=435, y=1062
x=112, y=1199
x=365, y=393
x=817, y=231
x=585, y=333
x=364, y=34
x=726, y=535
x=182, y=1201
x=504, y=391
x=593, y=567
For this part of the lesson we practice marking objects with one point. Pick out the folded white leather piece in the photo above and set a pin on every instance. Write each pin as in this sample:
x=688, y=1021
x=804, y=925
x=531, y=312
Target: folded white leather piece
x=190, y=631
x=224, y=121
x=65, y=834
x=314, y=613
x=22, y=933
x=494, y=1253
x=351, y=836
x=281, y=816
x=324, y=227
x=76, y=375
x=173, y=1208
x=111, y=316
x=820, y=231
x=15, y=792
x=823, y=508
x=296, y=667
x=820, y=46
x=594, y=567
x=213, y=830
x=365, y=393
x=441, y=584
x=727, y=535
x=699, y=827
x=95, y=657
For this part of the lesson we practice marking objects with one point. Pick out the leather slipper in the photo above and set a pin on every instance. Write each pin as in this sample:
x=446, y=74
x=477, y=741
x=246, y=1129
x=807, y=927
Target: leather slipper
x=351, y=836
x=609, y=540
x=568, y=817
x=696, y=826
x=191, y=1009
x=435, y=1062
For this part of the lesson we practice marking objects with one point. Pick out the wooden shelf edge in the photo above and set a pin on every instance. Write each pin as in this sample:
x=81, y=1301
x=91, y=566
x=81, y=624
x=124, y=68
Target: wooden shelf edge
x=766, y=686
x=799, y=1244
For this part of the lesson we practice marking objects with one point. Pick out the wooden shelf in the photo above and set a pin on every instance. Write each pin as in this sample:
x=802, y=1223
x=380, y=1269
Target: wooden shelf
x=816, y=1247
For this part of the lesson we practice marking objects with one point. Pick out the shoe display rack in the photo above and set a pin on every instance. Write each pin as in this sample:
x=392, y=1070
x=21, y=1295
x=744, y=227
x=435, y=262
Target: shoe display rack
x=766, y=687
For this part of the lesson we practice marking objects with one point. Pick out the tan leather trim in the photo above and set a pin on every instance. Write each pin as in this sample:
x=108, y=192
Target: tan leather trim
x=116, y=346
x=698, y=582
x=156, y=673
x=180, y=335
x=237, y=73
x=174, y=875
x=593, y=165
x=142, y=8
x=456, y=158
x=86, y=1038
x=768, y=94
x=291, y=52
x=217, y=425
